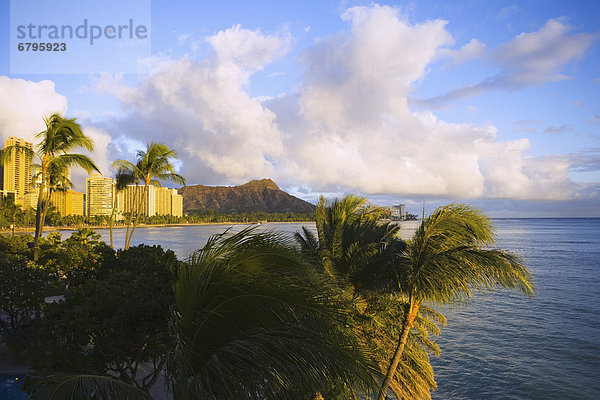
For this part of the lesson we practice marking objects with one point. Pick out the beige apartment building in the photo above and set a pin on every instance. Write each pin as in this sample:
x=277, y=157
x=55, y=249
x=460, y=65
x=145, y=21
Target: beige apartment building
x=154, y=201
x=98, y=196
x=168, y=202
x=16, y=174
x=29, y=200
x=68, y=202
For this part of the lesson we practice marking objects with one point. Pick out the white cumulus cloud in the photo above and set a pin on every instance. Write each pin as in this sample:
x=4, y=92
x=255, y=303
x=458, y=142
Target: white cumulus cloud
x=202, y=109
x=24, y=104
x=348, y=125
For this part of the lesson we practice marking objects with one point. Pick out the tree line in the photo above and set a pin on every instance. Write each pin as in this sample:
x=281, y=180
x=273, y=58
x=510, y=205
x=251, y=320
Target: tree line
x=15, y=216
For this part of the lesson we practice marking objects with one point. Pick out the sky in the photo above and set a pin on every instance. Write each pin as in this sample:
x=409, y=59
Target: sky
x=494, y=103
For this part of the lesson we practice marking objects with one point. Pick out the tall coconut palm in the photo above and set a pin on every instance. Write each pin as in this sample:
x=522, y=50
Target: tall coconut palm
x=62, y=135
x=352, y=246
x=153, y=165
x=58, y=180
x=447, y=259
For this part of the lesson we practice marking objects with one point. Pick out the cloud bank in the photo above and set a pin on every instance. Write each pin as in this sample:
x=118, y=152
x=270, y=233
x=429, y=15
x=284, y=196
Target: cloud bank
x=348, y=125
x=23, y=105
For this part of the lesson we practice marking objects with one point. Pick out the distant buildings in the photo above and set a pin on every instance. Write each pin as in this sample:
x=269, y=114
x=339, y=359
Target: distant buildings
x=168, y=202
x=398, y=212
x=16, y=174
x=98, y=196
x=29, y=200
x=16, y=182
x=68, y=202
x=154, y=201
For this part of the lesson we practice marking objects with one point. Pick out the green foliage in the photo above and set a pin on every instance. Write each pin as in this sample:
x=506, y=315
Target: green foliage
x=378, y=328
x=8, y=211
x=85, y=387
x=350, y=239
x=21, y=291
x=13, y=215
x=354, y=249
x=144, y=260
x=75, y=260
x=16, y=245
x=449, y=257
x=215, y=216
x=254, y=321
x=112, y=324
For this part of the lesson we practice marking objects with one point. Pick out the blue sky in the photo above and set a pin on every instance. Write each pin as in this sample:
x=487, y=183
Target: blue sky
x=491, y=102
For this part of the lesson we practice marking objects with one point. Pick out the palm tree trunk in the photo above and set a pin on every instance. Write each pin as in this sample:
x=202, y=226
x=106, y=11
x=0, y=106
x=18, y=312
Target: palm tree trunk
x=110, y=222
x=143, y=197
x=110, y=228
x=412, y=308
x=38, y=216
x=130, y=218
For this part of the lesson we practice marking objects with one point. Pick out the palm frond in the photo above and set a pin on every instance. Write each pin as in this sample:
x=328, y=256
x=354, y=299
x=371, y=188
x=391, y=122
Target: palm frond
x=254, y=321
x=79, y=160
x=61, y=136
x=84, y=387
x=123, y=178
x=449, y=257
x=6, y=153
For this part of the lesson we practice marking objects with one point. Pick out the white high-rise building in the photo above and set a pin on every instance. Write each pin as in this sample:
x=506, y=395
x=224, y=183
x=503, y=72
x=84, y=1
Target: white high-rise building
x=398, y=211
x=98, y=196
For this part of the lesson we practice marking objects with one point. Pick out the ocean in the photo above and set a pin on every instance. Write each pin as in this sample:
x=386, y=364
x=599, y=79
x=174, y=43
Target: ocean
x=501, y=345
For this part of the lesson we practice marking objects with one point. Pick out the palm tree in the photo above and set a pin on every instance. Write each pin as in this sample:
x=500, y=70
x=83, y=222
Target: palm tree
x=350, y=238
x=58, y=180
x=252, y=321
x=447, y=258
x=10, y=211
x=153, y=165
x=352, y=246
x=62, y=135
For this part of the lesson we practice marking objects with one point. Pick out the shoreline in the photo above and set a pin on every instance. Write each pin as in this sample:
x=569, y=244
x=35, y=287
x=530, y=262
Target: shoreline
x=47, y=229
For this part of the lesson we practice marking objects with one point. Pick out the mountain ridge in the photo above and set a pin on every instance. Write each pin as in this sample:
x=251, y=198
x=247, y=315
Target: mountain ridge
x=256, y=195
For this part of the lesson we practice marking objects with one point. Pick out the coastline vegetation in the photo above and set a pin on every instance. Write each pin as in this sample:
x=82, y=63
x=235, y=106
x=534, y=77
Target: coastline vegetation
x=62, y=135
x=13, y=217
x=346, y=313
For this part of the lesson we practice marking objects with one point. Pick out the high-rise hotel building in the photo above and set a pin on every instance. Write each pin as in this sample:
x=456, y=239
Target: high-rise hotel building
x=68, y=202
x=16, y=174
x=98, y=196
x=155, y=200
